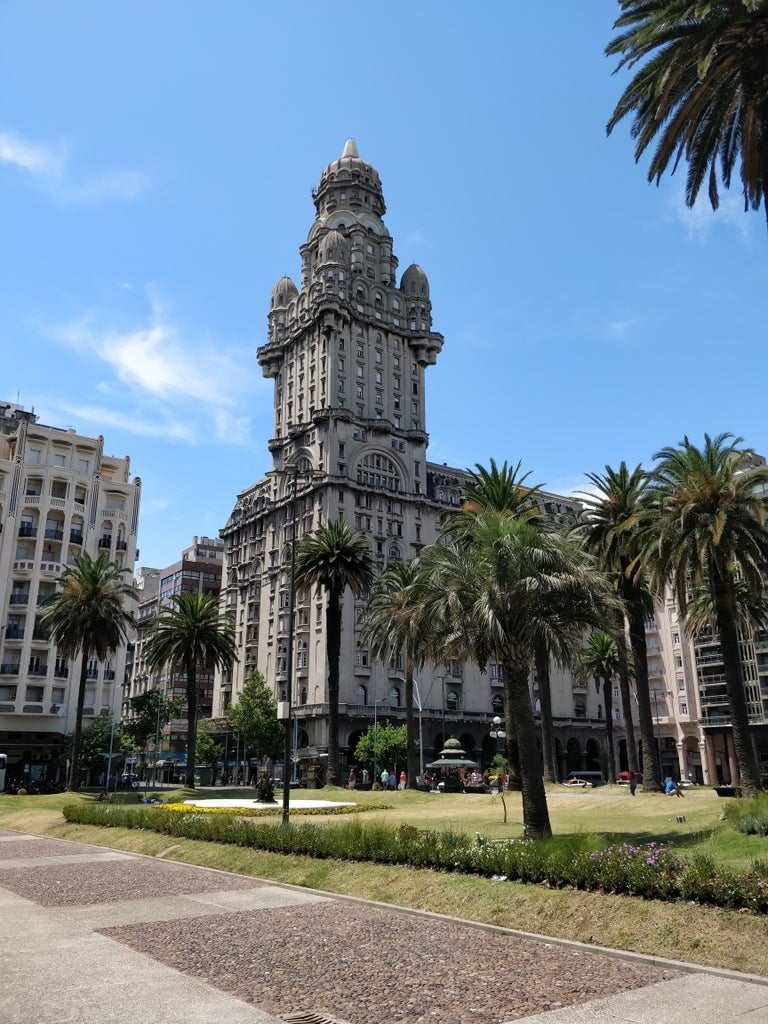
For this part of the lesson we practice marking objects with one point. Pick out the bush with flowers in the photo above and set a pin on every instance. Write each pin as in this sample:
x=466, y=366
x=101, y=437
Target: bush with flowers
x=650, y=870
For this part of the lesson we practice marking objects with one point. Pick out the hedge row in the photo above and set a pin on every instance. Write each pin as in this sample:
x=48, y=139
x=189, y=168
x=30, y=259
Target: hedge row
x=652, y=871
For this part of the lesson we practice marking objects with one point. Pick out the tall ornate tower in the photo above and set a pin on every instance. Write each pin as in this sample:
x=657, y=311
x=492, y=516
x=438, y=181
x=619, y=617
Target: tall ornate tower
x=347, y=352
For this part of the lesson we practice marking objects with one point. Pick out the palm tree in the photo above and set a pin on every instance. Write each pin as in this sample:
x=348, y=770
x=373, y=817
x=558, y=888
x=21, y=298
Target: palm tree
x=88, y=616
x=703, y=90
x=191, y=634
x=393, y=627
x=334, y=558
x=499, y=490
x=609, y=528
x=600, y=660
x=488, y=597
x=504, y=492
x=708, y=534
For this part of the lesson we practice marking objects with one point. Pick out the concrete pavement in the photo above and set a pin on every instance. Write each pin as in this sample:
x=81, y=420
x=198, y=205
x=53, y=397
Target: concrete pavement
x=87, y=937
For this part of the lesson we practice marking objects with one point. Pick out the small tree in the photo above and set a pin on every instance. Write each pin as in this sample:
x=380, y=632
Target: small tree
x=253, y=716
x=386, y=745
x=208, y=750
x=94, y=742
x=151, y=711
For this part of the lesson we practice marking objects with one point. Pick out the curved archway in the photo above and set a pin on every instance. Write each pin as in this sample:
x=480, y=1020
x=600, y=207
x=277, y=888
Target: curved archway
x=572, y=756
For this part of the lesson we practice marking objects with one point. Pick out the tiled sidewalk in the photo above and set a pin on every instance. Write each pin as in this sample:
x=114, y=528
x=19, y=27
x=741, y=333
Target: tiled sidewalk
x=95, y=936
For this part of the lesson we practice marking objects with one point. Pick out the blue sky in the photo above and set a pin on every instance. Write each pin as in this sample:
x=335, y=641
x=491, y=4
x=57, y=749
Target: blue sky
x=156, y=161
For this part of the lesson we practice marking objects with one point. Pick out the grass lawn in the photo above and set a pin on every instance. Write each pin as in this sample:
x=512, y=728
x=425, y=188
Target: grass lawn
x=680, y=931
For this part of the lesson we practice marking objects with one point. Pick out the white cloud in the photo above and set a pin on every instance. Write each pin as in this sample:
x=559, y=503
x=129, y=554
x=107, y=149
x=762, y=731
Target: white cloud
x=166, y=383
x=125, y=186
x=44, y=161
x=50, y=164
x=700, y=219
x=132, y=422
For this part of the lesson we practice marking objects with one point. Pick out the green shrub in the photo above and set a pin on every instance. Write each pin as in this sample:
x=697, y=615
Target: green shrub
x=651, y=871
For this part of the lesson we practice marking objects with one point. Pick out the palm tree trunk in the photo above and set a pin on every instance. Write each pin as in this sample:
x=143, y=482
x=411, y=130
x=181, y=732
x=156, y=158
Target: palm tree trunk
x=608, y=700
x=411, y=733
x=189, y=774
x=541, y=655
x=73, y=781
x=734, y=684
x=626, y=698
x=518, y=699
x=333, y=640
x=636, y=617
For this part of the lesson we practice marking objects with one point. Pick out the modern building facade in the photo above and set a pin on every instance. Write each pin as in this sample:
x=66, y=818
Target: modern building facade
x=60, y=496
x=198, y=571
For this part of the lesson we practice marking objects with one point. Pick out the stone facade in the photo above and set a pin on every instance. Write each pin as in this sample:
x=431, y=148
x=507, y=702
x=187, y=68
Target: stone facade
x=349, y=352
x=60, y=496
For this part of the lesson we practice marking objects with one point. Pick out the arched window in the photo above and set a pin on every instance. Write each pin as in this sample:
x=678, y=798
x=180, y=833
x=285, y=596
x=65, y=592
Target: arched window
x=451, y=700
x=394, y=697
x=361, y=695
x=497, y=704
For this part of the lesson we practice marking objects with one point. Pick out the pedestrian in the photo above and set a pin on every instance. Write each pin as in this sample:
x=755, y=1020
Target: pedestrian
x=632, y=783
x=365, y=776
x=392, y=780
x=351, y=780
x=384, y=779
x=403, y=780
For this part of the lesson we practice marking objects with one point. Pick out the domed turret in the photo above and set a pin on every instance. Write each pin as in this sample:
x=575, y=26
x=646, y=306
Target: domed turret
x=414, y=281
x=283, y=292
x=334, y=248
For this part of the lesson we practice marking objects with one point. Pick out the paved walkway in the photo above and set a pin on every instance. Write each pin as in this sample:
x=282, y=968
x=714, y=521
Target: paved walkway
x=96, y=936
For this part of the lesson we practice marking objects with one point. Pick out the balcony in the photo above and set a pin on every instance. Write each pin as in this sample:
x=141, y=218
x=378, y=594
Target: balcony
x=38, y=670
x=27, y=530
x=39, y=633
x=60, y=671
x=122, y=545
x=14, y=633
x=19, y=597
x=92, y=673
x=9, y=669
x=105, y=541
x=109, y=674
x=75, y=537
x=54, y=533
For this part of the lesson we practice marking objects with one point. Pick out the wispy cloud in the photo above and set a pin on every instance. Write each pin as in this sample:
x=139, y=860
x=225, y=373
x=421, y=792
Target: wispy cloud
x=132, y=422
x=700, y=220
x=50, y=164
x=166, y=382
x=124, y=186
x=43, y=161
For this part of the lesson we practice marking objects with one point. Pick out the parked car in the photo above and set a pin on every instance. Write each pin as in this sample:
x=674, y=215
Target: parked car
x=579, y=783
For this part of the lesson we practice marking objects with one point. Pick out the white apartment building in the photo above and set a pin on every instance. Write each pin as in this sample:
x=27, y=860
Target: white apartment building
x=60, y=496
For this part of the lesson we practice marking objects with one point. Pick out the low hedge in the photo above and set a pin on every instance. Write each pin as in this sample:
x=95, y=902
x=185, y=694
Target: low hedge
x=652, y=871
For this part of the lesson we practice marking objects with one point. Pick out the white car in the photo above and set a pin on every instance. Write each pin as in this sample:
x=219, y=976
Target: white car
x=579, y=783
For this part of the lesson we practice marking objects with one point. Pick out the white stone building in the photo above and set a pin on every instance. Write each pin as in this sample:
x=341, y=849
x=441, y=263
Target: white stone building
x=60, y=496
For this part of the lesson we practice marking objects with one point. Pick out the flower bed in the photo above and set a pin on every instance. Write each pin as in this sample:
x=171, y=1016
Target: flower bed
x=652, y=871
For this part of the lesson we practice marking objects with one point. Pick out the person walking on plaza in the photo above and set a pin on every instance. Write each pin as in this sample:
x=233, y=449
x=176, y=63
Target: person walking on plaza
x=402, y=780
x=351, y=780
x=632, y=783
x=384, y=779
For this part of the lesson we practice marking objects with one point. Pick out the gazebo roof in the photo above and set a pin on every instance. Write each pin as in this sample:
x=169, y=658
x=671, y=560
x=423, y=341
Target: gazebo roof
x=453, y=756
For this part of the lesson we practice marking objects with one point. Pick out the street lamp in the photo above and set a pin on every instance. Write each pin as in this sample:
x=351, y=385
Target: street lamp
x=498, y=732
x=294, y=471
x=400, y=679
